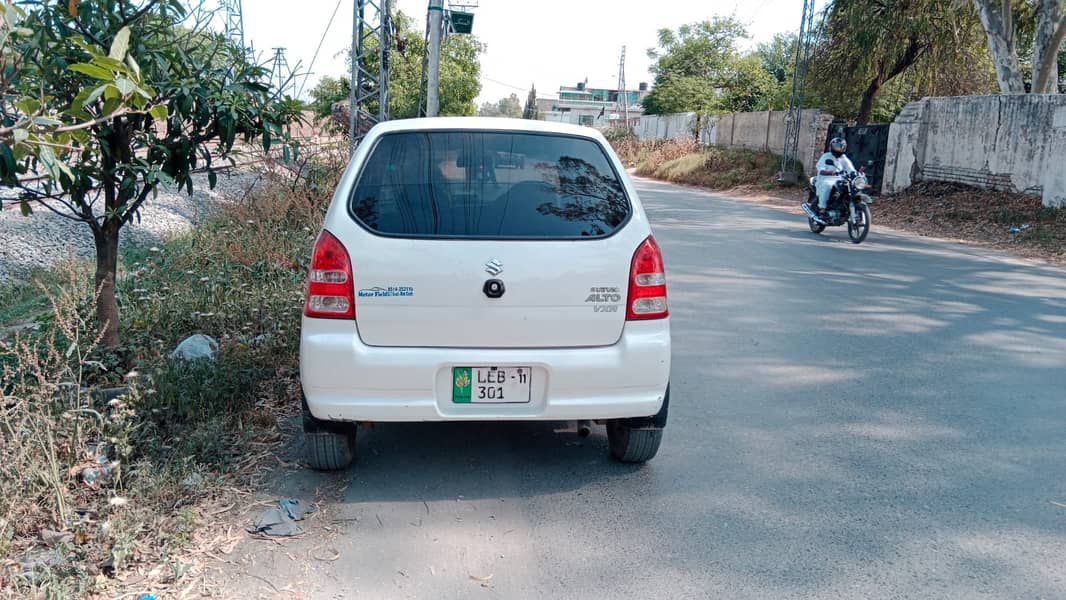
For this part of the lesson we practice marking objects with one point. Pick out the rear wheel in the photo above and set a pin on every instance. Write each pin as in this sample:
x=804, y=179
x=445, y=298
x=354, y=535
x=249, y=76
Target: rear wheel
x=637, y=440
x=633, y=444
x=328, y=445
x=858, y=230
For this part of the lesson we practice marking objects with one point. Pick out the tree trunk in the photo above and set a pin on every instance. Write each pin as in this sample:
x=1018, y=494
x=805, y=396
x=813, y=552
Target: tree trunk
x=867, y=105
x=106, y=269
x=909, y=57
x=999, y=27
x=1050, y=29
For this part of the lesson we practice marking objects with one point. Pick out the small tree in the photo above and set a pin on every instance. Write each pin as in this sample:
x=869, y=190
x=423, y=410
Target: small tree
x=206, y=95
x=531, y=111
x=510, y=106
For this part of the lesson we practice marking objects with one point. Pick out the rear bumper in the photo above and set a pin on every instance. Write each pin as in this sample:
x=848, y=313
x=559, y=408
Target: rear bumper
x=346, y=380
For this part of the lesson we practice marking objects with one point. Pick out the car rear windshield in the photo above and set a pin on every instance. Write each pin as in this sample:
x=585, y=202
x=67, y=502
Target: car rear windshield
x=489, y=185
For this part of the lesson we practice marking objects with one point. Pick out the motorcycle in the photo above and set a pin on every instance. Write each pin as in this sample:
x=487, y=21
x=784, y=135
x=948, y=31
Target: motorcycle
x=848, y=204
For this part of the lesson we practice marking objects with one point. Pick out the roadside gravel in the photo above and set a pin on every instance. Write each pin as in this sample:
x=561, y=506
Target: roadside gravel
x=44, y=238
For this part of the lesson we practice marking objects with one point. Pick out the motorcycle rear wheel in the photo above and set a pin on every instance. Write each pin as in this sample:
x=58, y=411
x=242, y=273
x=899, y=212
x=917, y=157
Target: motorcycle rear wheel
x=858, y=231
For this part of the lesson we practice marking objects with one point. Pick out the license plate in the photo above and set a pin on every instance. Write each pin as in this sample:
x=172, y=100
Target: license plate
x=491, y=385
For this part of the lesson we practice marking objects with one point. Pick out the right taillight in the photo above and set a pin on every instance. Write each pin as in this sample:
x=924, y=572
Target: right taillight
x=647, y=283
x=330, y=291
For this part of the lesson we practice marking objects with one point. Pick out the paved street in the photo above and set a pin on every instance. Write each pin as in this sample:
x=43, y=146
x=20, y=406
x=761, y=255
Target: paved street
x=877, y=421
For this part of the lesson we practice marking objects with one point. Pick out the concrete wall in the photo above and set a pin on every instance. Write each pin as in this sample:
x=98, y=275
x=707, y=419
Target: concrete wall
x=763, y=131
x=1012, y=143
x=666, y=127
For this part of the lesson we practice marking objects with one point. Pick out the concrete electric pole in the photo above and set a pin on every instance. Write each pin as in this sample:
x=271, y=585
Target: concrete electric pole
x=623, y=100
x=436, y=32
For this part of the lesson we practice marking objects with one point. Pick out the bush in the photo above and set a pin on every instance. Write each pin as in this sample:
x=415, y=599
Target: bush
x=181, y=431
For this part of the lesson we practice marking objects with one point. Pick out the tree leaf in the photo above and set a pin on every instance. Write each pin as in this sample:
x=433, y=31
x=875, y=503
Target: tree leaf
x=20, y=135
x=136, y=68
x=95, y=94
x=8, y=168
x=109, y=63
x=212, y=178
x=48, y=159
x=47, y=122
x=159, y=112
x=72, y=9
x=125, y=86
x=121, y=44
x=24, y=207
x=92, y=71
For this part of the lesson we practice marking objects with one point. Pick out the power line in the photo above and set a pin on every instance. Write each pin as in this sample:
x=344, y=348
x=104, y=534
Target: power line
x=514, y=87
x=311, y=67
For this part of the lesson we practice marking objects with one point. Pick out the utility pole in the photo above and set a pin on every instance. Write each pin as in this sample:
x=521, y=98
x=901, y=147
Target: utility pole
x=622, y=99
x=794, y=118
x=367, y=85
x=436, y=32
x=233, y=26
x=280, y=72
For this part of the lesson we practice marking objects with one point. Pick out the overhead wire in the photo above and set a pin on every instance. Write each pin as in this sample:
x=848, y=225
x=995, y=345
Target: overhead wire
x=321, y=41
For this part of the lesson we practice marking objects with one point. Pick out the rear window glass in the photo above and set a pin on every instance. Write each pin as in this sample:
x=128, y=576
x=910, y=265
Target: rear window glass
x=489, y=185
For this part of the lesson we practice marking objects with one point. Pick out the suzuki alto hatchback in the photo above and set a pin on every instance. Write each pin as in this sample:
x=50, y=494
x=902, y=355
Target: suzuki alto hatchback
x=475, y=269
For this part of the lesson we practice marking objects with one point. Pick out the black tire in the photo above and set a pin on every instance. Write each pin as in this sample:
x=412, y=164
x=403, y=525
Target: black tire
x=858, y=231
x=329, y=451
x=328, y=445
x=633, y=444
x=815, y=226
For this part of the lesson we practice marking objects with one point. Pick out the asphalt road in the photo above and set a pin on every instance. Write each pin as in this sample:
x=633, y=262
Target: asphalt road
x=877, y=421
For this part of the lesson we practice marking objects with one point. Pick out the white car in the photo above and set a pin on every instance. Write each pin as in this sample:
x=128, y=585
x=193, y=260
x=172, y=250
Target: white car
x=445, y=289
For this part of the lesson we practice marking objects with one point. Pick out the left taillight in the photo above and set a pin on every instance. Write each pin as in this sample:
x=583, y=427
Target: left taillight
x=330, y=292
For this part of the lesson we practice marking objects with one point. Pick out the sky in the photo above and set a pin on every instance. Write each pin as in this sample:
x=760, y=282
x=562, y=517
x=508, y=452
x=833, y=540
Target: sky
x=547, y=43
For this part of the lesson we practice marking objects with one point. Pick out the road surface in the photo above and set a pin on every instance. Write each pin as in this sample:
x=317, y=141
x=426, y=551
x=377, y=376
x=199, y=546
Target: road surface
x=877, y=421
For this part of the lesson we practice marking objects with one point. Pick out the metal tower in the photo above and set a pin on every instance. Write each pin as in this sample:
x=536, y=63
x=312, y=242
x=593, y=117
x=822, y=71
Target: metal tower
x=371, y=21
x=623, y=101
x=233, y=27
x=793, y=120
x=281, y=75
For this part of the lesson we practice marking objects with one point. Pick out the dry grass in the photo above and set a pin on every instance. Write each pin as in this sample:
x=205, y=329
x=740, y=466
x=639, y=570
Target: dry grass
x=959, y=212
x=185, y=439
x=685, y=161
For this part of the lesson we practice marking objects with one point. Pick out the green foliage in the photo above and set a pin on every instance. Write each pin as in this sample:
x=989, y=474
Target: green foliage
x=873, y=58
x=698, y=69
x=676, y=93
x=328, y=91
x=530, y=111
x=238, y=278
x=510, y=107
x=747, y=86
x=92, y=62
x=460, y=69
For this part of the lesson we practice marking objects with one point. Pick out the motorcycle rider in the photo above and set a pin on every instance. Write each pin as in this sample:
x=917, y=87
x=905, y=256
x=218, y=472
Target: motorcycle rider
x=831, y=166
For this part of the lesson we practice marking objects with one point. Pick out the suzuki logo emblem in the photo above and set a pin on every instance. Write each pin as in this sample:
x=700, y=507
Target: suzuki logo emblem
x=494, y=267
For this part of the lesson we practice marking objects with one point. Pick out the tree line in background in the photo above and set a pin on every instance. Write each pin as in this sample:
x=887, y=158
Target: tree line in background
x=869, y=58
x=460, y=71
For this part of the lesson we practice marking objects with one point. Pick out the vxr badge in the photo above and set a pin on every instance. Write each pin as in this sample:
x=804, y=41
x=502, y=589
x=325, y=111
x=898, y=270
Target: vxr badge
x=494, y=267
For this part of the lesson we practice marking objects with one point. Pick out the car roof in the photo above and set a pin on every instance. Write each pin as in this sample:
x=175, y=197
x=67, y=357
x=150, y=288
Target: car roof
x=485, y=124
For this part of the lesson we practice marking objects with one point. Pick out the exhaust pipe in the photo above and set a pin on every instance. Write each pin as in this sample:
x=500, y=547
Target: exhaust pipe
x=584, y=428
x=813, y=215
